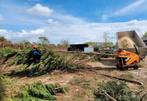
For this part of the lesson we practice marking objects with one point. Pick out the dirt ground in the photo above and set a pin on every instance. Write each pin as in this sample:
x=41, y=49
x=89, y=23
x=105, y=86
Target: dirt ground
x=81, y=84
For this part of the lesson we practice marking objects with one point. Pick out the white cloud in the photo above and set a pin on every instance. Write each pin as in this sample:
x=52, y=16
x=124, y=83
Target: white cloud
x=77, y=32
x=39, y=9
x=68, y=18
x=31, y=35
x=136, y=7
x=3, y=31
x=63, y=26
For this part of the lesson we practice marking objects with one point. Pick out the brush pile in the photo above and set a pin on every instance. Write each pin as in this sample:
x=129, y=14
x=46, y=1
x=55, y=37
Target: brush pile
x=116, y=91
x=39, y=92
x=50, y=61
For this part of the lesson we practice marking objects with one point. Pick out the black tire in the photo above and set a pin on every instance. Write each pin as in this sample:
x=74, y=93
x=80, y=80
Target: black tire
x=117, y=66
x=136, y=67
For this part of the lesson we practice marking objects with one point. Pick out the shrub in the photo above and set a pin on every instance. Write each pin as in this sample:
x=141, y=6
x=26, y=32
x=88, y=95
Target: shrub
x=116, y=89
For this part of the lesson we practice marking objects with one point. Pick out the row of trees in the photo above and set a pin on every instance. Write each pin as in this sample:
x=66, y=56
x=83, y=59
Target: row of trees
x=65, y=43
x=41, y=40
x=145, y=35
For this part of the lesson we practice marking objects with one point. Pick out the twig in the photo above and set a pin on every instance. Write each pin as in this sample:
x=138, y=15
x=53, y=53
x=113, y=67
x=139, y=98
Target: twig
x=110, y=97
x=143, y=96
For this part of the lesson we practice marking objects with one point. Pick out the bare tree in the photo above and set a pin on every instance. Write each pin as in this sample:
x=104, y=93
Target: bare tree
x=65, y=43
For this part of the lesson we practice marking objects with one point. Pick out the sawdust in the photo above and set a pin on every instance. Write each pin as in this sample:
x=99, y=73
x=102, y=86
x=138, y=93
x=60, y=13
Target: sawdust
x=126, y=42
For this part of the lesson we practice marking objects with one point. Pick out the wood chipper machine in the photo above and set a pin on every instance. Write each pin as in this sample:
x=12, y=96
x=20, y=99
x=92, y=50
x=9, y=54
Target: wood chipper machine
x=127, y=59
x=131, y=49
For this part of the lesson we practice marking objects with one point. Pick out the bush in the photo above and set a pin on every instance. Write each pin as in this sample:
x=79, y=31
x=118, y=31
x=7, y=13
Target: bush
x=39, y=92
x=116, y=89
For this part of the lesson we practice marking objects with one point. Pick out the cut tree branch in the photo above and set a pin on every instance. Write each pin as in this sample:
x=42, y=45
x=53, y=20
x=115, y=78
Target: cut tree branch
x=110, y=97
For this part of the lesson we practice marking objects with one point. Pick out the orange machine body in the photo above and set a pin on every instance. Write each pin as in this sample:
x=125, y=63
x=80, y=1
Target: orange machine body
x=127, y=59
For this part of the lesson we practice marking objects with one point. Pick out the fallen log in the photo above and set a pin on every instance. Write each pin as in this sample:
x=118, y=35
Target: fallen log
x=122, y=79
x=113, y=77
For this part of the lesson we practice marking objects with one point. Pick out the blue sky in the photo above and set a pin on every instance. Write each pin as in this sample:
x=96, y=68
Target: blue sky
x=73, y=20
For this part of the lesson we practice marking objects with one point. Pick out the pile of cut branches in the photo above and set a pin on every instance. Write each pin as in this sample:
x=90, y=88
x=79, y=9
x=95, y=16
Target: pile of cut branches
x=116, y=91
x=39, y=92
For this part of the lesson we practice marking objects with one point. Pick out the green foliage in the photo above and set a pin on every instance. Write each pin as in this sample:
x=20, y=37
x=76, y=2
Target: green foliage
x=39, y=92
x=7, y=52
x=51, y=61
x=145, y=35
x=2, y=38
x=2, y=90
x=21, y=57
x=4, y=82
x=116, y=89
x=25, y=44
x=5, y=79
x=107, y=41
x=93, y=44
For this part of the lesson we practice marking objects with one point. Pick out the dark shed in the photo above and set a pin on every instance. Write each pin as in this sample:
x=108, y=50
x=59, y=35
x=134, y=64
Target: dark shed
x=77, y=47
